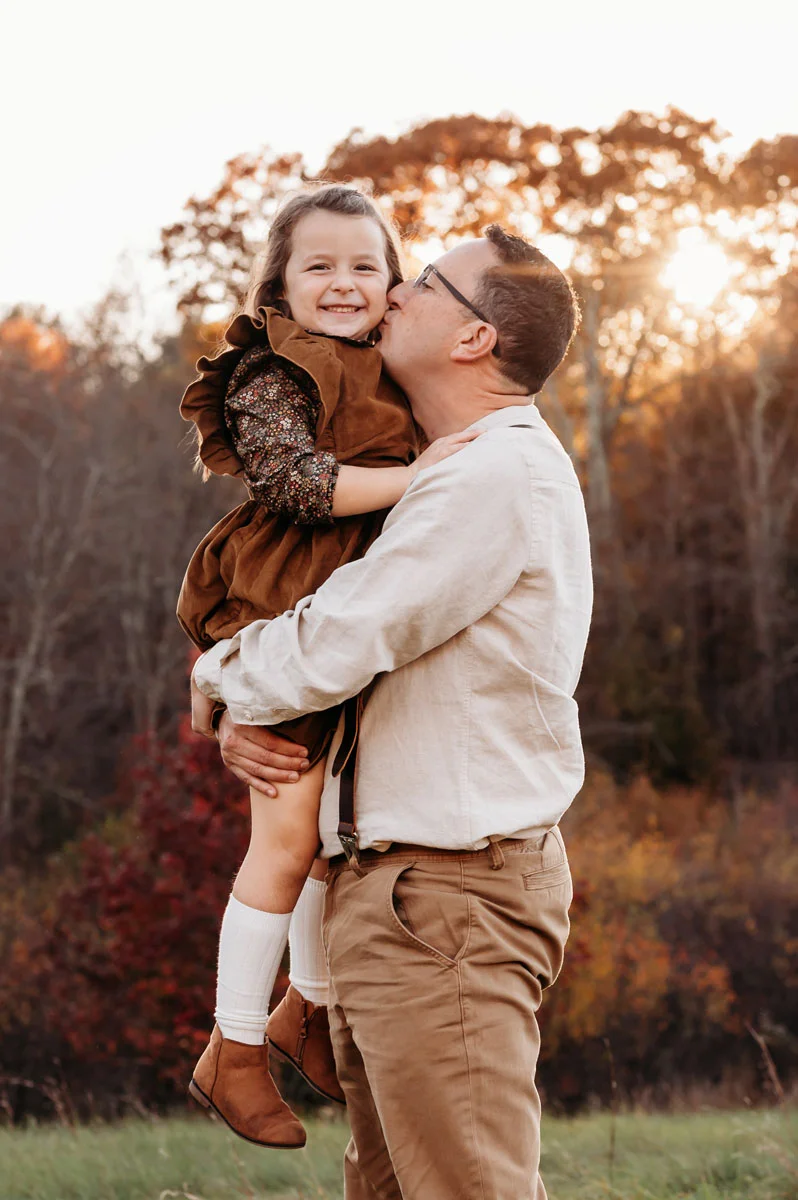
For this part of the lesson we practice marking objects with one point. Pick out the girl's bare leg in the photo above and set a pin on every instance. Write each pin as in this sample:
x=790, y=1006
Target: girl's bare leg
x=283, y=845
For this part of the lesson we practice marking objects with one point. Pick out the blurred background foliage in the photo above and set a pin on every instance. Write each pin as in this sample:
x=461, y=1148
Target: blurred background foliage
x=120, y=832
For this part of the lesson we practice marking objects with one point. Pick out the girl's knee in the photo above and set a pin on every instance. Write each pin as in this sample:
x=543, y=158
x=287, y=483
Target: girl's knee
x=288, y=845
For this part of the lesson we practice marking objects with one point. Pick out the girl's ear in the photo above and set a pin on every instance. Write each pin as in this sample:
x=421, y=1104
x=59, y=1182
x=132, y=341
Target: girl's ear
x=476, y=341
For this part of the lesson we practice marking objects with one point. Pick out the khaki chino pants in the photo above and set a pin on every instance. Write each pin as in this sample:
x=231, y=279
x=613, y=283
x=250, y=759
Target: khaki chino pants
x=437, y=964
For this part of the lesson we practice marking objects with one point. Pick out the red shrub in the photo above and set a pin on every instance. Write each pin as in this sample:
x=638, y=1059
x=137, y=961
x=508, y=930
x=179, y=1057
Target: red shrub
x=130, y=952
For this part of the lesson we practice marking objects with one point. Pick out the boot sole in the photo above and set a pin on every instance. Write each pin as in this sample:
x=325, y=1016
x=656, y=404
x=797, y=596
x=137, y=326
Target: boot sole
x=196, y=1093
x=286, y=1057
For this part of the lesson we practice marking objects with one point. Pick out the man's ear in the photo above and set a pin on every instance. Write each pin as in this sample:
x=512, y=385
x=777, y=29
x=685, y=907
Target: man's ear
x=475, y=341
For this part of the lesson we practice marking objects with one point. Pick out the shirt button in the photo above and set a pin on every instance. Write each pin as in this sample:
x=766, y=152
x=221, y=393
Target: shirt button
x=248, y=714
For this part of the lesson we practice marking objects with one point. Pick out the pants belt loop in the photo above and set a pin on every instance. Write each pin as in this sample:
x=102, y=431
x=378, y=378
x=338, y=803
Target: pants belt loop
x=354, y=863
x=496, y=856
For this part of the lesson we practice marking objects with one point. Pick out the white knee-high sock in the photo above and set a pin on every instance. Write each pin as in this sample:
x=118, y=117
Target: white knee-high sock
x=251, y=947
x=308, y=972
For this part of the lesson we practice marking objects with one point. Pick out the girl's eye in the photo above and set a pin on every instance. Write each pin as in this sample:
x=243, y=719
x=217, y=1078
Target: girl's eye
x=318, y=267
x=366, y=267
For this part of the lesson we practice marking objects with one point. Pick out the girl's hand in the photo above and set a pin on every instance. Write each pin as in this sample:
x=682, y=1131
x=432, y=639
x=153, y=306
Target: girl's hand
x=443, y=447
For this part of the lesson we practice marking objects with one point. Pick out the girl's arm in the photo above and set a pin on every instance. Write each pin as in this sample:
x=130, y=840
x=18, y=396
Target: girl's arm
x=272, y=420
x=366, y=489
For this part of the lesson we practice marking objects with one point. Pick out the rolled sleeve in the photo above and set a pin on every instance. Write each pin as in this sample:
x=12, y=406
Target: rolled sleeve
x=207, y=673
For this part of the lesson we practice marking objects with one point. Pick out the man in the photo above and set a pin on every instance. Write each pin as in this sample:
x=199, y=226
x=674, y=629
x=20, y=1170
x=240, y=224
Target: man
x=471, y=611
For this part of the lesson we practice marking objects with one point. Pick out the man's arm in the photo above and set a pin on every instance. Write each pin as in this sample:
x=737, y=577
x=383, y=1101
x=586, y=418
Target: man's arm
x=451, y=549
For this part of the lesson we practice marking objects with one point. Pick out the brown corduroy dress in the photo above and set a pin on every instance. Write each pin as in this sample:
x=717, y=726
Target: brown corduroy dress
x=255, y=563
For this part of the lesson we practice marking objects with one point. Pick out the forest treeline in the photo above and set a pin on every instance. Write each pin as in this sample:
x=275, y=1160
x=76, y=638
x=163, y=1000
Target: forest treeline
x=682, y=420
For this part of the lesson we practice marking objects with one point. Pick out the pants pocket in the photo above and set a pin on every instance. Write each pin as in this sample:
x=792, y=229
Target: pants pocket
x=549, y=867
x=548, y=877
x=431, y=910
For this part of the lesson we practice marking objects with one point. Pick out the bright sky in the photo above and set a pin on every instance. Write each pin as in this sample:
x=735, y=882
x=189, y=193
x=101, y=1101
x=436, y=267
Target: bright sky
x=115, y=114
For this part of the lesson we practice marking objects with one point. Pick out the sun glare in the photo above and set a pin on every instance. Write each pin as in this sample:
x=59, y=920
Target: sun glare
x=697, y=271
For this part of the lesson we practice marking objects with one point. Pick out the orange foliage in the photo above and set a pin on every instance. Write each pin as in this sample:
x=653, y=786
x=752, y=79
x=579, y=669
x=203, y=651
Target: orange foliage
x=680, y=932
x=40, y=347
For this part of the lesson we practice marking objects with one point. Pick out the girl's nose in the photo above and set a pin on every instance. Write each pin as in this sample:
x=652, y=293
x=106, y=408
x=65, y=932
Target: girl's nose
x=342, y=283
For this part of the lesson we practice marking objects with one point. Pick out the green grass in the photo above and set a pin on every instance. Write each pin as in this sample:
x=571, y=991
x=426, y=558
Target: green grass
x=705, y=1156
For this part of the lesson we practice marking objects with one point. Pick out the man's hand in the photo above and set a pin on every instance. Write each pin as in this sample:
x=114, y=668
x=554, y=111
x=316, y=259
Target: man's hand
x=257, y=756
x=201, y=712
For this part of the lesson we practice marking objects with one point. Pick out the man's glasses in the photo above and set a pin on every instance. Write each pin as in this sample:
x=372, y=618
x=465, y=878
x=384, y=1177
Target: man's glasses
x=421, y=280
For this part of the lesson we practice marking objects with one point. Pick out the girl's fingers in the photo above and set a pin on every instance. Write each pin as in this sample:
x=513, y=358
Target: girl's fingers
x=463, y=439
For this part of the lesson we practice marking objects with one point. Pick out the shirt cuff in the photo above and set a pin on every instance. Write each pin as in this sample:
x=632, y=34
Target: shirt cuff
x=207, y=673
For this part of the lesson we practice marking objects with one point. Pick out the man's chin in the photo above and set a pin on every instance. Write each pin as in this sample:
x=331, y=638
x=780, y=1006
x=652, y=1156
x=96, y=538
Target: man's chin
x=391, y=362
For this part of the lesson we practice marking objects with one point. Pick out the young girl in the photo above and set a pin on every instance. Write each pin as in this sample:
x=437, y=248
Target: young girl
x=298, y=407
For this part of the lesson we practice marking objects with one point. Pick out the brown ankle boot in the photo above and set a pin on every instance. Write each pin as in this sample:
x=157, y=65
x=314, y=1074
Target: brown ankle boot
x=299, y=1032
x=234, y=1080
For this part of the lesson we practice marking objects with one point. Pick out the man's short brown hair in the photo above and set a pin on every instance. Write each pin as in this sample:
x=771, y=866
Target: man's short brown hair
x=533, y=307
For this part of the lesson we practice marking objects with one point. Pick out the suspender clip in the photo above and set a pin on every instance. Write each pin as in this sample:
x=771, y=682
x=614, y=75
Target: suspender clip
x=350, y=842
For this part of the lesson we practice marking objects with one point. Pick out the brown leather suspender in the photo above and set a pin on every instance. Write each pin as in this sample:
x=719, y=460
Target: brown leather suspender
x=344, y=765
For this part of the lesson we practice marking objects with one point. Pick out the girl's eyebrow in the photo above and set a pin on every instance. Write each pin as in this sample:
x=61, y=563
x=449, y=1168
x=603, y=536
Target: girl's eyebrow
x=328, y=254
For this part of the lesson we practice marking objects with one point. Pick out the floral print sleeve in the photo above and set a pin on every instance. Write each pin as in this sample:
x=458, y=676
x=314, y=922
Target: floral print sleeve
x=272, y=415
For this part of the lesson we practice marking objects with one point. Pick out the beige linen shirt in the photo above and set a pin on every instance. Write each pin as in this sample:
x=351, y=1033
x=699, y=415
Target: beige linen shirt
x=473, y=607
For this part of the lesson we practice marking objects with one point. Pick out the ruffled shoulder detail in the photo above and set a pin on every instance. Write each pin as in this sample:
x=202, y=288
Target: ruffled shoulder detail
x=203, y=400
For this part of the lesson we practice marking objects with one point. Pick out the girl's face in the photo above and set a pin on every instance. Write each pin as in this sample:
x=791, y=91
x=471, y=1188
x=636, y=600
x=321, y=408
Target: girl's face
x=336, y=278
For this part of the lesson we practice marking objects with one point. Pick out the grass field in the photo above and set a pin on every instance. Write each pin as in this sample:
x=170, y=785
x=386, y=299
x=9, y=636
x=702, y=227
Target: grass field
x=704, y=1156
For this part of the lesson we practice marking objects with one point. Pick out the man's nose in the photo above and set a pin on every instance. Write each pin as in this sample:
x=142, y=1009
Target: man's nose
x=398, y=295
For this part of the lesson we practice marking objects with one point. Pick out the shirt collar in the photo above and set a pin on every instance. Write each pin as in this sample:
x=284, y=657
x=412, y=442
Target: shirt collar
x=514, y=414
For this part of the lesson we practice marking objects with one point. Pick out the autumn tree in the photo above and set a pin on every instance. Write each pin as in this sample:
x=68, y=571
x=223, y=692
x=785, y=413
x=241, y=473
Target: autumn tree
x=615, y=198
x=100, y=511
x=614, y=203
